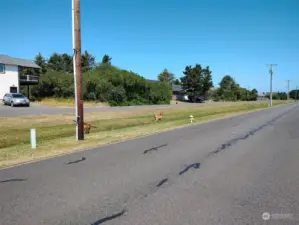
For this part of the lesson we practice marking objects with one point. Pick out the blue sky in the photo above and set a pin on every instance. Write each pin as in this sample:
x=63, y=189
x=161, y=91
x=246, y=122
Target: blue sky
x=236, y=37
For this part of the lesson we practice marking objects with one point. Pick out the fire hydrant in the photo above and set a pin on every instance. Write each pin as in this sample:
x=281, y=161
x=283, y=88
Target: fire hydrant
x=191, y=119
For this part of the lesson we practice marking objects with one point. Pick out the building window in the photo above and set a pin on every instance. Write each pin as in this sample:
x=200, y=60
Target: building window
x=13, y=89
x=2, y=68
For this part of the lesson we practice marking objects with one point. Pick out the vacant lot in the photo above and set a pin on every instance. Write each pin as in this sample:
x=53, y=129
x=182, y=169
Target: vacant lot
x=56, y=133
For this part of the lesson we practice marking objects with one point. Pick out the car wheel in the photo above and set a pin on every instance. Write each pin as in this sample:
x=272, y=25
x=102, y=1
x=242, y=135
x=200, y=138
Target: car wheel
x=11, y=104
x=28, y=105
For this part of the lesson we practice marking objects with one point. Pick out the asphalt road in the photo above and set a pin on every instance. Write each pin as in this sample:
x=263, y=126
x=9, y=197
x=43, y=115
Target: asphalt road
x=36, y=109
x=224, y=172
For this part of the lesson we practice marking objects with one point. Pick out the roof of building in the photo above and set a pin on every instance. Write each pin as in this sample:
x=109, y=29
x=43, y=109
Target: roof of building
x=176, y=87
x=5, y=59
x=153, y=81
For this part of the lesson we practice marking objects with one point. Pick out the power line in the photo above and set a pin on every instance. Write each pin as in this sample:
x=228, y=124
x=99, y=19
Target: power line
x=271, y=77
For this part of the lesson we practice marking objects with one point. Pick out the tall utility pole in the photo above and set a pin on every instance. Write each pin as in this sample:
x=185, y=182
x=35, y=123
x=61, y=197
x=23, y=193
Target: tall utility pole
x=74, y=66
x=78, y=70
x=248, y=92
x=271, y=77
x=288, y=89
x=296, y=94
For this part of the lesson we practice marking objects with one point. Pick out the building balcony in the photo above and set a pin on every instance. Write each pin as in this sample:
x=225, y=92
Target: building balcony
x=28, y=79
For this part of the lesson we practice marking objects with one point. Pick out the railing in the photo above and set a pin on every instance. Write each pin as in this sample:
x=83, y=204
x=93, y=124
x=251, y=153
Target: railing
x=28, y=78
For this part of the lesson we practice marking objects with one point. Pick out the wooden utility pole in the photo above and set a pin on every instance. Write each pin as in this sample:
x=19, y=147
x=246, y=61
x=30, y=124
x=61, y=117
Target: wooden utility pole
x=80, y=119
x=271, y=77
x=74, y=66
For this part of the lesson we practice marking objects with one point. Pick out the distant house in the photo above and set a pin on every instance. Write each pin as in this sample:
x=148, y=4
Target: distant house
x=176, y=89
x=177, y=92
x=153, y=81
x=262, y=96
x=10, y=78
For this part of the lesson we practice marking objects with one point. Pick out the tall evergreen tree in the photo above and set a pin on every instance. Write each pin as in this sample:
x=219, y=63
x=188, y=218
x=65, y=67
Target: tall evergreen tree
x=166, y=76
x=41, y=61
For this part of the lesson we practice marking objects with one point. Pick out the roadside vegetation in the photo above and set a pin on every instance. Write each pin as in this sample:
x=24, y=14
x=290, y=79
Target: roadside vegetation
x=107, y=84
x=102, y=82
x=56, y=133
x=68, y=102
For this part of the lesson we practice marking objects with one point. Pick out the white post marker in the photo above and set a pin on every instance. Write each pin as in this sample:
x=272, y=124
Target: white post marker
x=191, y=119
x=33, y=138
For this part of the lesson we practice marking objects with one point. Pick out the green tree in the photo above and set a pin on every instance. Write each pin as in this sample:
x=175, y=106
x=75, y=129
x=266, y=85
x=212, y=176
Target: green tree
x=253, y=95
x=192, y=81
x=27, y=71
x=166, y=76
x=228, y=89
x=64, y=62
x=117, y=96
x=160, y=93
x=106, y=59
x=280, y=96
x=294, y=94
x=67, y=63
x=88, y=62
x=197, y=80
x=55, y=62
x=105, y=83
x=41, y=61
x=102, y=90
x=177, y=82
x=207, y=80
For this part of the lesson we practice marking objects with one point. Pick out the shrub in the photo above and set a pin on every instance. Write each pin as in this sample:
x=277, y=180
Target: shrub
x=92, y=96
x=105, y=83
x=117, y=96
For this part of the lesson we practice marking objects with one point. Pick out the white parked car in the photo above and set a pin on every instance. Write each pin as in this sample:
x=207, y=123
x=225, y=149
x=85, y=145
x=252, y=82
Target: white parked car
x=14, y=99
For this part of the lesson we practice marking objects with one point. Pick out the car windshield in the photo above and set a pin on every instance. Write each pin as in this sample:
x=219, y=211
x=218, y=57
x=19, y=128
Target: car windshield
x=18, y=96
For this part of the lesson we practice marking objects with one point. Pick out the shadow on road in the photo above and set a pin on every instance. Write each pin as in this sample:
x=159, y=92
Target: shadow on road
x=114, y=216
x=12, y=180
x=76, y=161
x=162, y=182
x=194, y=166
x=154, y=148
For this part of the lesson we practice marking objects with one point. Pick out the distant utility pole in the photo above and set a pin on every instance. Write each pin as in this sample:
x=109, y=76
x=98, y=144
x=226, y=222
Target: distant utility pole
x=288, y=89
x=248, y=92
x=271, y=76
x=78, y=69
x=296, y=94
